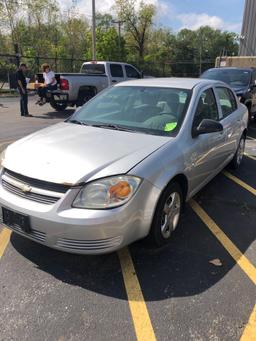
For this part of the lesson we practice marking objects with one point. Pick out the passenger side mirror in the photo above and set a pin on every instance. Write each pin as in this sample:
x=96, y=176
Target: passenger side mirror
x=207, y=126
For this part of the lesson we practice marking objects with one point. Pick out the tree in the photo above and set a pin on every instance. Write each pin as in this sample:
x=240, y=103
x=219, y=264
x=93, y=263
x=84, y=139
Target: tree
x=160, y=52
x=9, y=19
x=137, y=23
x=75, y=40
x=104, y=21
x=108, y=45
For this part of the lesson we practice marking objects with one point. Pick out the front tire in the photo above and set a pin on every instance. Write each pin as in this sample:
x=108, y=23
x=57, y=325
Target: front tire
x=167, y=215
x=238, y=157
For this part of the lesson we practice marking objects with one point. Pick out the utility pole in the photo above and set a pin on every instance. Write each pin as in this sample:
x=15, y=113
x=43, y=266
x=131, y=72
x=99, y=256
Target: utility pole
x=93, y=31
x=119, y=23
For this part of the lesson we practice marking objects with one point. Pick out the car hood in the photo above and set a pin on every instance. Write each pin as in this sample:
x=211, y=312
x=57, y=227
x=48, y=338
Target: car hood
x=239, y=90
x=68, y=153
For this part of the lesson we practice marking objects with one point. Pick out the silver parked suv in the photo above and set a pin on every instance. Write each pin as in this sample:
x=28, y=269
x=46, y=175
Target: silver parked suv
x=121, y=167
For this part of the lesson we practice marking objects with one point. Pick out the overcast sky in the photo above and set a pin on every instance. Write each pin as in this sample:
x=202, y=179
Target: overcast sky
x=177, y=14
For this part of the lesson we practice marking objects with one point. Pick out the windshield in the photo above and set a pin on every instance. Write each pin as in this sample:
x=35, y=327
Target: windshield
x=93, y=69
x=151, y=110
x=235, y=78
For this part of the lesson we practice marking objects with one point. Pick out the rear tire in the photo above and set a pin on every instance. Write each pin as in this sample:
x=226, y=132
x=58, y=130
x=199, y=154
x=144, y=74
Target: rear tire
x=84, y=96
x=58, y=106
x=167, y=215
x=238, y=157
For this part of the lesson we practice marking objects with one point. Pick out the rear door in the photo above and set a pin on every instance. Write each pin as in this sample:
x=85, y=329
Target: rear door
x=116, y=73
x=230, y=119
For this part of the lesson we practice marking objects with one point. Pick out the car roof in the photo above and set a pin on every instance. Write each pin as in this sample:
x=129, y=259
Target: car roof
x=232, y=68
x=104, y=62
x=181, y=83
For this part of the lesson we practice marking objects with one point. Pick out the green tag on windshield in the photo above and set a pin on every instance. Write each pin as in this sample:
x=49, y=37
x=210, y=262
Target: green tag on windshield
x=170, y=126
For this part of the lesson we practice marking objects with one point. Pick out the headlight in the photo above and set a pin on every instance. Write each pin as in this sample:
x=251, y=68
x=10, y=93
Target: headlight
x=107, y=193
x=2, y=156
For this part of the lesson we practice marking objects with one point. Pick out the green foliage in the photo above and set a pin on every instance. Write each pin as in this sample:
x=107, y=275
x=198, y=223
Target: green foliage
x=137, y=23
x=44, y=31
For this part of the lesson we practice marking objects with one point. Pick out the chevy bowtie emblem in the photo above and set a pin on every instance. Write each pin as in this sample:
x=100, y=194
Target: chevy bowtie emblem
x=26, y=188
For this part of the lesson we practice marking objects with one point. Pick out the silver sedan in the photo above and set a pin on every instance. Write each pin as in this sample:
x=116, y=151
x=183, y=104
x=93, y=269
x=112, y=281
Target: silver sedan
x=122, y=167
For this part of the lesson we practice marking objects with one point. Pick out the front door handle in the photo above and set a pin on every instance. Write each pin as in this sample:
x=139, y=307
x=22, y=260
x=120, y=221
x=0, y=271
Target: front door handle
x=114, y=81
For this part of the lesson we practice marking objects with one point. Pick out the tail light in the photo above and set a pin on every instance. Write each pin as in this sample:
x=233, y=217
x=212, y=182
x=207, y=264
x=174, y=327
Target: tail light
x=64, y=84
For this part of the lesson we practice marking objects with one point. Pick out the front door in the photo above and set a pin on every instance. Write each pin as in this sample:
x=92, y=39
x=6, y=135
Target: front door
x=206, y=154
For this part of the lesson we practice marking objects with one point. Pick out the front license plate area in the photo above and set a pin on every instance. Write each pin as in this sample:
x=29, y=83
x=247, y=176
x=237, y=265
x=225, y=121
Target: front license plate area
x=13, y=219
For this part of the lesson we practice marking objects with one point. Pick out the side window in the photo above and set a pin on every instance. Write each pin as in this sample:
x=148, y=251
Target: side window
x=116, y=70
x=207, y=107
x=131, y=72
x=227, y=101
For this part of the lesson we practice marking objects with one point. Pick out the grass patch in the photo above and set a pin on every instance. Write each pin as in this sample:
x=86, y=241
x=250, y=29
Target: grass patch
x=8, y=92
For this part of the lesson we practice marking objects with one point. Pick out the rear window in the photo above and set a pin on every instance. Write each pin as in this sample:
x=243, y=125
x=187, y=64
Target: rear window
x=93, y=69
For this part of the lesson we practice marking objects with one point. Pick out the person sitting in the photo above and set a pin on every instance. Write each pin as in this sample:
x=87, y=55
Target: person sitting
x=50, y=83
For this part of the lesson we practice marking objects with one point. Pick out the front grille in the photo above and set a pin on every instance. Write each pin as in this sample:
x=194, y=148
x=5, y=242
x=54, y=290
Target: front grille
x=34, y=234
x=88, y=245
x=43, y=199
x=39, y=191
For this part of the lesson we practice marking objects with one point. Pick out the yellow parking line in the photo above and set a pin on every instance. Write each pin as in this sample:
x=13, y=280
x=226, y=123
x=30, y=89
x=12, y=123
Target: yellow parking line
x=251, y=138
x=235, y=253
x=249, y=333
x=140, y=316
x=5, y=235
x=240, y=182
x=250, y=156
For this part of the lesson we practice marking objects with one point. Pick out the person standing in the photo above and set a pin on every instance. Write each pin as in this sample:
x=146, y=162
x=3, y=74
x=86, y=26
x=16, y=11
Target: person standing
x=22, y=87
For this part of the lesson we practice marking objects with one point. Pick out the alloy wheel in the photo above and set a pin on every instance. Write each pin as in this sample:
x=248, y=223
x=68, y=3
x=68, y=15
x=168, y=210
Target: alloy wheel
x=171, y=214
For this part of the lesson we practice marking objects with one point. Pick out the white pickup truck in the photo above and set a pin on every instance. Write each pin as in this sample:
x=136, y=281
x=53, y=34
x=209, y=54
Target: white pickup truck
x=78, y=88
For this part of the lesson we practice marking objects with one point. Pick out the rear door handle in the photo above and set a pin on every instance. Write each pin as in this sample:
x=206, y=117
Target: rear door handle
x=114, y=81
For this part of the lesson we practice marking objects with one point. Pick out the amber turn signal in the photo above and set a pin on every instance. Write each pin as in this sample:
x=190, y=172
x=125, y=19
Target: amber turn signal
x=121, y=190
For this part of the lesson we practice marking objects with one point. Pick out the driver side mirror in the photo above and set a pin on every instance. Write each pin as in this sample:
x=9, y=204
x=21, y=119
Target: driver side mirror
x=207, y=126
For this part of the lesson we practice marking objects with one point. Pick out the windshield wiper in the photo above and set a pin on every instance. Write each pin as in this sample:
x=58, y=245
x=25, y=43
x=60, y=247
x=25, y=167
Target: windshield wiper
x=112, y=126
x=76, y=122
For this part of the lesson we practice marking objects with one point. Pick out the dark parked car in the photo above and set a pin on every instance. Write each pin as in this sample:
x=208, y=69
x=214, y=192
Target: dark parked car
x=241, y=80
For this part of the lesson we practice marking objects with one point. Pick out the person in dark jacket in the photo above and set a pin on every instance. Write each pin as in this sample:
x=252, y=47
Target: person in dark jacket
x=22, y=87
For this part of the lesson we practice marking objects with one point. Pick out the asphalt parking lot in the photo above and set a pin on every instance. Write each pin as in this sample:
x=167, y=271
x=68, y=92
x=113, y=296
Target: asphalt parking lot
x=202, y=286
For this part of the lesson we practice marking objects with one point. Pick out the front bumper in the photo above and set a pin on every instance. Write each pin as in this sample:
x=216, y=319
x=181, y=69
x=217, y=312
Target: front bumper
x=84, y=231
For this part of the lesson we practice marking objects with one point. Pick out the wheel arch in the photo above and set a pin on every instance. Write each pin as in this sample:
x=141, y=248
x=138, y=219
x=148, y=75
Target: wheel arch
x=182, y=181
x=85, y=88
